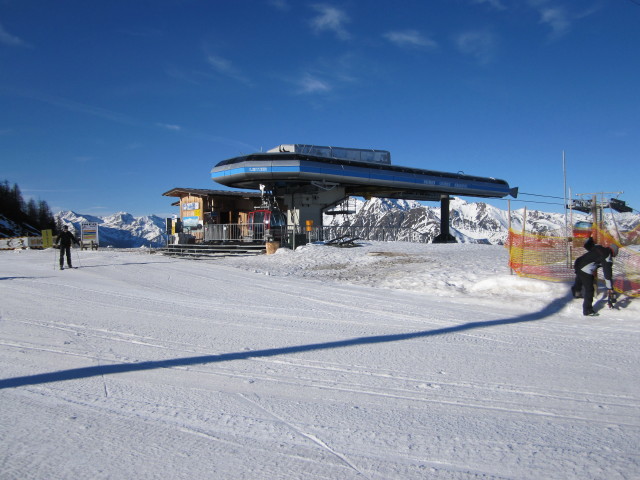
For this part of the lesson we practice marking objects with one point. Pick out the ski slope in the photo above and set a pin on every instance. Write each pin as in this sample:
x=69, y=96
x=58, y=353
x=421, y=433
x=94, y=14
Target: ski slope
x=388, y=361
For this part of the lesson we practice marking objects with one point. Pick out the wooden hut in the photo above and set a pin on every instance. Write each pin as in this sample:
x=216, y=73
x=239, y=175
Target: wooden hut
x=200, y=207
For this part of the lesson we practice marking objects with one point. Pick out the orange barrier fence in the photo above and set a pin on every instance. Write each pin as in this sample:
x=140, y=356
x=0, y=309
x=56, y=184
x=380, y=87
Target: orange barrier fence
x=552, y=258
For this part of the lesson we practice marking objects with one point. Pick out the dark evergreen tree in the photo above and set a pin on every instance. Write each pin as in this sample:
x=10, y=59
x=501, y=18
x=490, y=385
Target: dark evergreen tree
x=32, y=213
x=29, y=216
x=5, y=189
x=16, y=204
x=45, y=217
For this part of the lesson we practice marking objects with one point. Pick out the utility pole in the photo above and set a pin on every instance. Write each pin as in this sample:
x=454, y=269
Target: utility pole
x=595, y=209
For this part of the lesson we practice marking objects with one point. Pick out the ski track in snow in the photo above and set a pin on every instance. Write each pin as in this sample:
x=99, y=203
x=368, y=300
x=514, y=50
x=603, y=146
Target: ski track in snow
x=316, y=364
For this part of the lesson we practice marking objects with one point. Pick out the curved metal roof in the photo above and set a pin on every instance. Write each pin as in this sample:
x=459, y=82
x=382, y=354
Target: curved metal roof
x=283, y=169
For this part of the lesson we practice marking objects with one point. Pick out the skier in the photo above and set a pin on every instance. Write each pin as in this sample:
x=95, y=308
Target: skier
x=64, y=240
x=585, y=266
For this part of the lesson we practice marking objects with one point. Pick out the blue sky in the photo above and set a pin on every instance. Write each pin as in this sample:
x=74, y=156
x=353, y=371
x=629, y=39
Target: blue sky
x=106, y=105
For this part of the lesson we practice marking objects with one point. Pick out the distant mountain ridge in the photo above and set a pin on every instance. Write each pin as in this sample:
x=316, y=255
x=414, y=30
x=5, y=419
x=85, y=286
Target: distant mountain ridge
x=470, y=222
x=120, y=230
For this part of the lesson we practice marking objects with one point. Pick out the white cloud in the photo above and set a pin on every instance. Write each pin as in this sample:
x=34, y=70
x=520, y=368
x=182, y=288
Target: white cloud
x=222, y=65
x=552, y=14
x=410, y=38
x=330, y=19
x=169, y=126
x=479, y=44
x=497, y=4
x=225, y=67
x=11, y=40
x=325, y=76
x=74, y=106
x=310, y=84
x=557, y=18
x=280, y=5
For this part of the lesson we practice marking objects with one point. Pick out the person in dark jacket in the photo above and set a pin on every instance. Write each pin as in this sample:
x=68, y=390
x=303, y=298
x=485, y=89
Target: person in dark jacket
x=65, y=239
x=586, y=266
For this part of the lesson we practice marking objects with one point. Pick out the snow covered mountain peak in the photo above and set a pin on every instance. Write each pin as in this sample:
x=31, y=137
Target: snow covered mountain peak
x=121, y=230
x=120, y=217
x=470, y=222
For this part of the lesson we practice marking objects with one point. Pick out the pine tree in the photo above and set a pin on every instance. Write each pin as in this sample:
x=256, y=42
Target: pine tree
x=36, y=214
x=12, y=205
x=32, y=213
x=4, y=196
x=16, y=203
x=45, y=217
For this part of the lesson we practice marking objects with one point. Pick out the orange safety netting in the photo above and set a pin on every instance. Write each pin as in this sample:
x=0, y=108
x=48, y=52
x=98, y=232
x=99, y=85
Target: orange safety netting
x=552, y=258
x=632, y=237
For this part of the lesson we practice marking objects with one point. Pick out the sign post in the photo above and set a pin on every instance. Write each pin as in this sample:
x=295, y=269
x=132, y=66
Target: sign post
x=89, y=235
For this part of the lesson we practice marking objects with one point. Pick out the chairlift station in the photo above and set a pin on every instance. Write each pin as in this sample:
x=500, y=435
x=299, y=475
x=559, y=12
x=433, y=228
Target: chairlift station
x=311, y=179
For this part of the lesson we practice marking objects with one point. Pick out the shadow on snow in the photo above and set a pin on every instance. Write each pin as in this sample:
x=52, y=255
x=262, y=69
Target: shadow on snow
x=94, y=371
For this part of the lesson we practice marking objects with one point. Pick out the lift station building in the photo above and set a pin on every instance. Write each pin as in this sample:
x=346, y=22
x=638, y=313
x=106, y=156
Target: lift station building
x=310, y=179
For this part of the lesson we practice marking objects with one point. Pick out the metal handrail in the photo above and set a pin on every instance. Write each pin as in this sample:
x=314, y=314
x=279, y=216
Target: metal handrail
x=243, y=232
x=294, y=236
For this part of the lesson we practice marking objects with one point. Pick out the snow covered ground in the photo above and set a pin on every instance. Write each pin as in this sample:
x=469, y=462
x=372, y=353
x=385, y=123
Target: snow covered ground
x=388, y=361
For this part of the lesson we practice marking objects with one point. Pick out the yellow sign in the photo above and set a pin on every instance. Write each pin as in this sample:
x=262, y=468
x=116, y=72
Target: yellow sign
x=47, y=239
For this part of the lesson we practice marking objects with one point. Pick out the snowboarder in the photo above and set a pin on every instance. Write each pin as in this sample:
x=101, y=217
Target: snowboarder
x=64, y=239
x=586, y=266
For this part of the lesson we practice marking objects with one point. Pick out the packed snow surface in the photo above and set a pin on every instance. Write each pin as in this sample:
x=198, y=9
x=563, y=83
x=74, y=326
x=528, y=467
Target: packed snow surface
x=385, y=361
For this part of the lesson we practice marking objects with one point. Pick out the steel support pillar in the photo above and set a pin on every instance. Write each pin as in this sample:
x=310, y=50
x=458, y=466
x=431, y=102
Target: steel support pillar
x=445, y=236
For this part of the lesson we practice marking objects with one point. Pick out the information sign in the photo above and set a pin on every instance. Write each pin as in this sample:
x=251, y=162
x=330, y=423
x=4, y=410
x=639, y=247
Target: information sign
x=89, y=233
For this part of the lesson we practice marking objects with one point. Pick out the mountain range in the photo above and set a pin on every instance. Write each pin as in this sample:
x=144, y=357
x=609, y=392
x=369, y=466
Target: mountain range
x=120, y=230
x=471, y=222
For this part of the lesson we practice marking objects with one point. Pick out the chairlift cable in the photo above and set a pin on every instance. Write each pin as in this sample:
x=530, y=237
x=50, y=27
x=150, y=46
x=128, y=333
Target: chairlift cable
x=531, y=201
x=538, y=195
